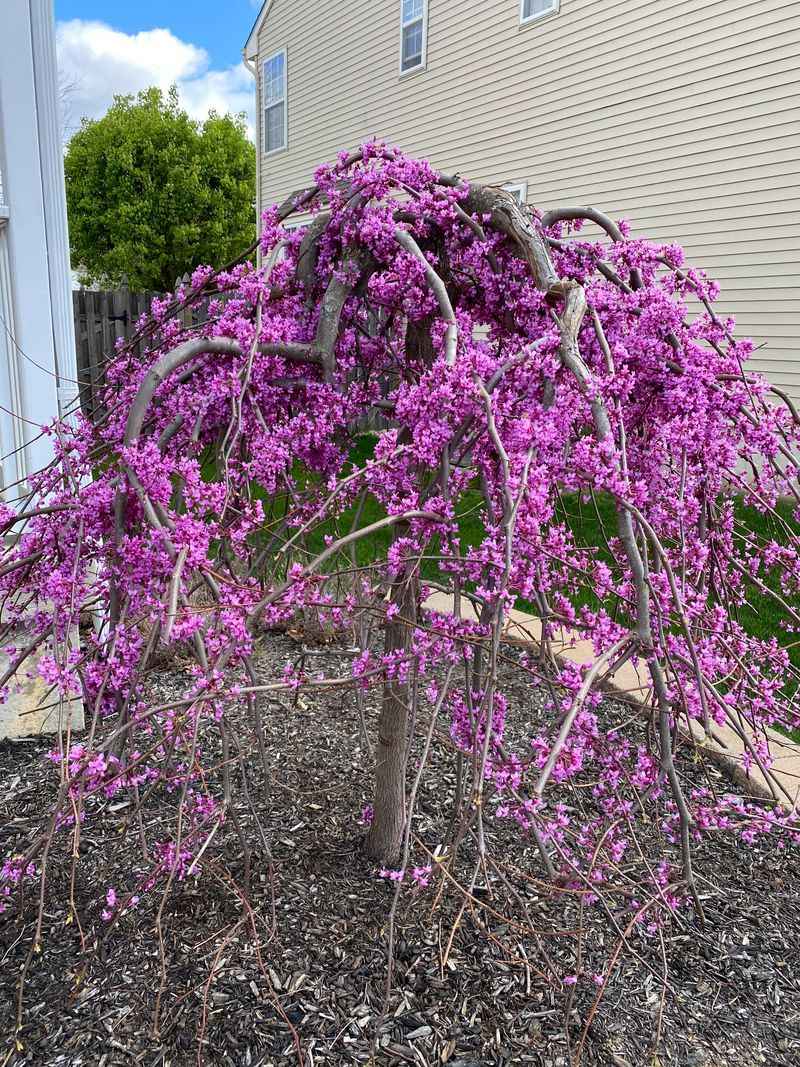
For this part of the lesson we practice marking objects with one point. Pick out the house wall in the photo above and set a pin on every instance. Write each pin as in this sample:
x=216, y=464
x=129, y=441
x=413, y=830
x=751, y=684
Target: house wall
x=37, y=345
x=680, y=116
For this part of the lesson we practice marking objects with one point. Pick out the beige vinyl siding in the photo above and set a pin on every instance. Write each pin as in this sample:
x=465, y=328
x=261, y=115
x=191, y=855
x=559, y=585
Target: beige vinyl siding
x=680, y=115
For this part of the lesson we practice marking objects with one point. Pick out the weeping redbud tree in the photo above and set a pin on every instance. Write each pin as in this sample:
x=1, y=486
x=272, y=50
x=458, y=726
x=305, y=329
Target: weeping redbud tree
x=500, y=362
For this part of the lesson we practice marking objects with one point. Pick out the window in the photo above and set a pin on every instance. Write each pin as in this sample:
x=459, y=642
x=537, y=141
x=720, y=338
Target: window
x=413, y=16
x=536, y=9
x=519, y=190
x=275, y=102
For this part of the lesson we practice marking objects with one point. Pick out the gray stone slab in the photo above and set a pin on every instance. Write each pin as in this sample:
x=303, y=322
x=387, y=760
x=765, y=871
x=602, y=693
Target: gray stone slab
x=32, y=708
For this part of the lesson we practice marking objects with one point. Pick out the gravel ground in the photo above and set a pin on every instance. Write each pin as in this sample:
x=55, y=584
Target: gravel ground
x=470, y=985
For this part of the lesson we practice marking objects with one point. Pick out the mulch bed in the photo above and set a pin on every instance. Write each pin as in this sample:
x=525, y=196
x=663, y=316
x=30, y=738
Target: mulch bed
x=320, y=973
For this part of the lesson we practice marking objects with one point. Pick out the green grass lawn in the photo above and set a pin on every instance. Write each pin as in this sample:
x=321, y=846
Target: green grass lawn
x=592, y=525
x=761, y=616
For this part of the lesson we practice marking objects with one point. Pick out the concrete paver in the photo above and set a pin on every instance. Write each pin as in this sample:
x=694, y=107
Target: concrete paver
x=631, y=682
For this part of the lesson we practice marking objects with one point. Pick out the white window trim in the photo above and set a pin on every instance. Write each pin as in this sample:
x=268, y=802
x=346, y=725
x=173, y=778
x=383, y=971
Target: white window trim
x=520, y=188
x=526, y=21
x=422, y=65
x=285, y=145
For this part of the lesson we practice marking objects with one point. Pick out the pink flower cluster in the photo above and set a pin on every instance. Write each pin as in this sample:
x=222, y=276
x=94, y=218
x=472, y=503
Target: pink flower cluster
x=223, y=496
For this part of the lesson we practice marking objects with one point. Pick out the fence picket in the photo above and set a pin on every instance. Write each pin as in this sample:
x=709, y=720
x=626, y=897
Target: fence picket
x=93, y=357
x=81, y=351
x=106, y=338
x=100, y=319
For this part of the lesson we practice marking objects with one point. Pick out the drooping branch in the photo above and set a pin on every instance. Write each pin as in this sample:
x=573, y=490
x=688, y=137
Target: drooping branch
x=508, y=218
x=239, y=486
x=407, y=242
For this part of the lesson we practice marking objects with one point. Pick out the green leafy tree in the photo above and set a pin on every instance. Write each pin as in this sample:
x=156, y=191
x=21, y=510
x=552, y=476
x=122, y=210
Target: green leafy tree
x=152, y=193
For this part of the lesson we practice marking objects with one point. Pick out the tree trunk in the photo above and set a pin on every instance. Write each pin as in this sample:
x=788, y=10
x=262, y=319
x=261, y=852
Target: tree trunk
x=385, y=836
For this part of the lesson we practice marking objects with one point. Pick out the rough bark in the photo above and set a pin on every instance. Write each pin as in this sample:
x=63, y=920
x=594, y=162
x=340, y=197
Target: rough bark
x=385, y=836
x=509, y=218
x=340, y=287
x=309, y=253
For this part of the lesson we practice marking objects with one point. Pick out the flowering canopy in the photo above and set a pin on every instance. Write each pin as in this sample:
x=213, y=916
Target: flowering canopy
x=501, y=362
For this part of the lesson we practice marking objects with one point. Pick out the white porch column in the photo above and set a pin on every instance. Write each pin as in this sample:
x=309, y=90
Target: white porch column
x=13, y=466
x=51, y=151
x=39, y=373
x=37, y=346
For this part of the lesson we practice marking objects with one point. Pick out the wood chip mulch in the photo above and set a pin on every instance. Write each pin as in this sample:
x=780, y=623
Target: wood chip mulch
x=310, y=988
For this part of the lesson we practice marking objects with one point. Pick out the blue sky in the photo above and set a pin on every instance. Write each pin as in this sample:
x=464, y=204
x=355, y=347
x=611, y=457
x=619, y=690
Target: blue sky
x=109, y=49
x=220, y=27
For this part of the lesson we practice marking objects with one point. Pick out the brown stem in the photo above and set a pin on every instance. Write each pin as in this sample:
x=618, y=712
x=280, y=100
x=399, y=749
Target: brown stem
x=385, y=835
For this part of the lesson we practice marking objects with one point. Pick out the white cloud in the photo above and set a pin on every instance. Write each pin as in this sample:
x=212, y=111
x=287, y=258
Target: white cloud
x=97, y=62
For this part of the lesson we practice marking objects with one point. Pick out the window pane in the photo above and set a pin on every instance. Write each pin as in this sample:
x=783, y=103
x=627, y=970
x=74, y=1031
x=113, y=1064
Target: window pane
x=412, y=45
x=536, y=7
x=518, y=192
x=274, y=70
x=274, y=127
x=412, y=9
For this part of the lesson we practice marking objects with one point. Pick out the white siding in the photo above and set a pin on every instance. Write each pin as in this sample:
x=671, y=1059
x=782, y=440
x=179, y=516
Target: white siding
x=37, y=340
x=681, y=116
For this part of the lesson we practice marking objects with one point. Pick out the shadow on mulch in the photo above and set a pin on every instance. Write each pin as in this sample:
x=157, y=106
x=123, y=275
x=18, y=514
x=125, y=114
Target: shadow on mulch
x=469, y=994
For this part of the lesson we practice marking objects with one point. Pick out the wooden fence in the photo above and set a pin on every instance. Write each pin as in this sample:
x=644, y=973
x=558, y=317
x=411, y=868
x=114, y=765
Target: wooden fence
x=101, y=319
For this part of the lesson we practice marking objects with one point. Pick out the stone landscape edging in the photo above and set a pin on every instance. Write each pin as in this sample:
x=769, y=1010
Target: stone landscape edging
x=726, y=750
